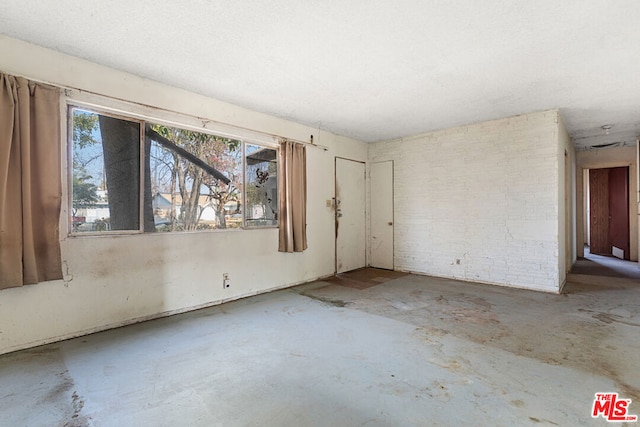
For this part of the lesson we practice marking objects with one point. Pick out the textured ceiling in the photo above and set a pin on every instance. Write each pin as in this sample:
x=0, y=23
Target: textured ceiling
x=372, y=70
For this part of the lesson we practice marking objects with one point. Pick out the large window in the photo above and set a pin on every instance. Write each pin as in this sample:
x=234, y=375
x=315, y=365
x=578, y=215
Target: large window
x=131, y=175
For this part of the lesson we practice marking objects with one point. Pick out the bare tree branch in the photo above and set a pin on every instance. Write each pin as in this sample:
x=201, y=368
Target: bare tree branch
x=155, y=136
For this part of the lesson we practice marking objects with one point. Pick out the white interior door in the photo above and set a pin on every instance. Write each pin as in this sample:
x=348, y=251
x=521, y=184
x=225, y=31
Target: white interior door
x=350, y=215
x=382, y=215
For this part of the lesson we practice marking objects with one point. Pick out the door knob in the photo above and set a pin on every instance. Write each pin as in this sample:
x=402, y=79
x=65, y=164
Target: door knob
x=390, y=223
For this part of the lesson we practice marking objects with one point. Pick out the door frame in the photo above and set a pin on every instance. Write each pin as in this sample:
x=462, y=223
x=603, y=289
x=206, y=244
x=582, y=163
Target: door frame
x=588, y=208
x=335, y=209
x=584, y=165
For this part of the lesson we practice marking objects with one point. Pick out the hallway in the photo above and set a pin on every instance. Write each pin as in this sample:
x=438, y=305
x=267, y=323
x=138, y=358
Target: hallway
x=600, y=265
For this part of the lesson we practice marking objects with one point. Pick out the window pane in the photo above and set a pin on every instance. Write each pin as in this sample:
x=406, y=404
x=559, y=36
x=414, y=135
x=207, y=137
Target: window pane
x=261, y=186
x=106, y=173
x=184, y=195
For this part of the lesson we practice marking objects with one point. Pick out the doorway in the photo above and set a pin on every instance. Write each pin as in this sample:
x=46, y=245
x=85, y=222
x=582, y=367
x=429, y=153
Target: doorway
x=609, y=212
x=350, y=220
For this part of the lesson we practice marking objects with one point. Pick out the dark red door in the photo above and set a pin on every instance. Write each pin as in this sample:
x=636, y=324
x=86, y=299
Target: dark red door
x=599, y=208
x=609, y=206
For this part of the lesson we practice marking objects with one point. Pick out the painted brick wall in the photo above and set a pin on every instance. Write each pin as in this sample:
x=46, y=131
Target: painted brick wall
x=479, y=202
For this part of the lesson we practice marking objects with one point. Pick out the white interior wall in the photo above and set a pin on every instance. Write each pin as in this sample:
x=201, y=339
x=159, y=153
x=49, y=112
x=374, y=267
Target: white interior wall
x=566, y=202
x=609, y=158
x=479, y=202
x=114, y=280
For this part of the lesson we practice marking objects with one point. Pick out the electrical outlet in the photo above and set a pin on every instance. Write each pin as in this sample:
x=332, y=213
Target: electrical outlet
x=226, y=282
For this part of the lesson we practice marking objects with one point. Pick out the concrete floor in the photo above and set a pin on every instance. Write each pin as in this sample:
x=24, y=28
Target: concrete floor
x=600, y=265
x=370, y=348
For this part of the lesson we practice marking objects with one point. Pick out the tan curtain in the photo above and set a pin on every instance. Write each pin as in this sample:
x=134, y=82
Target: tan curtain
x=29, y=182
x=292, y=197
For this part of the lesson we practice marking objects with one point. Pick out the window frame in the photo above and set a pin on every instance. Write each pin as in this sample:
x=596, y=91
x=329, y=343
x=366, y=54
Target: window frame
x=71, y=107
x=142, y=115
x=244, y=189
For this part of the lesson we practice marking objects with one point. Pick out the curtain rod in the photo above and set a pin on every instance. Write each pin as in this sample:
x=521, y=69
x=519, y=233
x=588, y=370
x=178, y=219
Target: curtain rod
x=309, y=143
x=204, y=120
